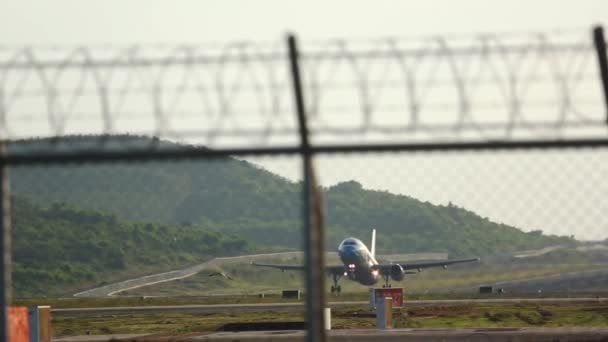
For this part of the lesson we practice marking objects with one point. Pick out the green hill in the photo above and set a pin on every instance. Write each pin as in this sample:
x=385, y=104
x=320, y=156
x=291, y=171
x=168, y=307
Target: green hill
x=238, y=197
x=160, y=191
x=409, y=225
x=61, y=248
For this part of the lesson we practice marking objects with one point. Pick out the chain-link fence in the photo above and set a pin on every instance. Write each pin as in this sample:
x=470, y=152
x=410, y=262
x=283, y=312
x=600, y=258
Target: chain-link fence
x=162, y=170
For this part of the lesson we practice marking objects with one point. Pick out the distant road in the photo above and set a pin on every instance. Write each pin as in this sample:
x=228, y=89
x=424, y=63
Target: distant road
x=536, y=252
x=210, y=308
x=112, y=289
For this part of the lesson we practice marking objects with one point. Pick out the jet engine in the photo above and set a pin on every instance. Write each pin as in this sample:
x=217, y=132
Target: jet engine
x=397, y=272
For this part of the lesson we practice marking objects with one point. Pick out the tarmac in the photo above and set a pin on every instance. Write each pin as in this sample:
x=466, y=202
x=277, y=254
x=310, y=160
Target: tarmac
x=376, y=335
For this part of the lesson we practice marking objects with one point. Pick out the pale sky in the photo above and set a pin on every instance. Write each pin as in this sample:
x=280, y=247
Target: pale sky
x=531, y=191
x=153, y=21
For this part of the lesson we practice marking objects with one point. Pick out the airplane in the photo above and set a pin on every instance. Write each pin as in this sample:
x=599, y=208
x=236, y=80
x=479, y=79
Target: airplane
x=359, y=264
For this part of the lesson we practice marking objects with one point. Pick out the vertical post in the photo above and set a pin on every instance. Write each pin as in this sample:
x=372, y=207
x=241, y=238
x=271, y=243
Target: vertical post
x=602, y=60
x=384, y=313
x=5, y=245
x=313, y=233
x=44, y=323
x=327, y=318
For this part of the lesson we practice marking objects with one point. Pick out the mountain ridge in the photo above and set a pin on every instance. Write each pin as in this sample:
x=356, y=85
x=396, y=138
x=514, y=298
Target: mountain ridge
x=237, y=197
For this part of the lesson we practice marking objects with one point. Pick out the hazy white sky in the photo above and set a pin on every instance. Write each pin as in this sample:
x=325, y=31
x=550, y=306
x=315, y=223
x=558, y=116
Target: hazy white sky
x=546, y=198
x=129, y=21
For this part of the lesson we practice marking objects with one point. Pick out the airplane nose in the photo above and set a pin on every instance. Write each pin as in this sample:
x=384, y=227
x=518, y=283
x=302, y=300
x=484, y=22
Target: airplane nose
x=348, y=251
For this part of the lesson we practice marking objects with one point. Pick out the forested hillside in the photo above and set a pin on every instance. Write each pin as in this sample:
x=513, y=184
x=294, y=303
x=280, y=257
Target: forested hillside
x=236, y=197
x=63, y=248
x=166, y=191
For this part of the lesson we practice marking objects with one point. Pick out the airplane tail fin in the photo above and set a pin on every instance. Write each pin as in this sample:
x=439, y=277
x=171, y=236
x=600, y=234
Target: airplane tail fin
x=373, y=245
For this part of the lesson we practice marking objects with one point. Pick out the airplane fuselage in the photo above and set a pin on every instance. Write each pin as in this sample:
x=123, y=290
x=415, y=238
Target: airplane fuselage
x=359, y=263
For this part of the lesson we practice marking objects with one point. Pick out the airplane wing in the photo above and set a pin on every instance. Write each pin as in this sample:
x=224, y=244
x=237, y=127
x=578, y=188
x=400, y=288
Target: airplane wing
x=417, y=266
x=331, y=269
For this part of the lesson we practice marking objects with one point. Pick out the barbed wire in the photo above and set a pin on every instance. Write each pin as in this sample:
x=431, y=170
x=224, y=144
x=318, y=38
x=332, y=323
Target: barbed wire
x=483, y=87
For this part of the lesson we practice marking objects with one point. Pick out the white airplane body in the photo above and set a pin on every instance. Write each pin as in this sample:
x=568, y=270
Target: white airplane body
x=360, y=264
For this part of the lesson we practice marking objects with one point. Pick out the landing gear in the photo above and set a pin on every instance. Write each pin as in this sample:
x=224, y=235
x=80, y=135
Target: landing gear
x=335, y=288
x=386, y=283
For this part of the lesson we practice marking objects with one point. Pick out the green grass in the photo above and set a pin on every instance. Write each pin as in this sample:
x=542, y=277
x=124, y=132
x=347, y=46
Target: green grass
x=520, y=315
x=84, y=302
x=438, y=279
x=418, y=316
x=248, y=279
x=360, y=295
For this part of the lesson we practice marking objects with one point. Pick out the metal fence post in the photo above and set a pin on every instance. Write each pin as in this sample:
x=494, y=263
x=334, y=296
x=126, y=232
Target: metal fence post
x=313, y=232
x=5, y=245
x=602, y=61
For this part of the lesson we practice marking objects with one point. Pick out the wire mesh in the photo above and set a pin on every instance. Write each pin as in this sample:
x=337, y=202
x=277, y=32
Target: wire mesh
x=162, y=221
x=536, y=218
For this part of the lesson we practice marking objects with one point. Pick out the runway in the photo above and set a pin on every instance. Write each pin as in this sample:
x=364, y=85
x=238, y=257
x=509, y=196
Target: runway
x=424, y=335
x=210, y=308
x=376, y=335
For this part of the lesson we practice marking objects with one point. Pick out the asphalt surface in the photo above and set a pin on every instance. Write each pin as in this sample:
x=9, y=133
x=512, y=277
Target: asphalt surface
x=377, y=335
x=98, y=338
x=444, y=334
x=210, y=308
